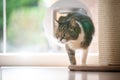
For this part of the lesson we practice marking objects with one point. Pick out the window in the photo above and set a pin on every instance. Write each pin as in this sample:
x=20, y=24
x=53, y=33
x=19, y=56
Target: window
x=1, y=26
x=24, y=40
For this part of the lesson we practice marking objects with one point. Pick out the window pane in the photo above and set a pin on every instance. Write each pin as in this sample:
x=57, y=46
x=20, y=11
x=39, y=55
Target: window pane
x=24, y=26
x=25, y=31
x=1, y=26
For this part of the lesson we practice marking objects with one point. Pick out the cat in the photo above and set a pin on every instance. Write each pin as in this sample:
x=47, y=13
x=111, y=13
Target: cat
x=75, y=30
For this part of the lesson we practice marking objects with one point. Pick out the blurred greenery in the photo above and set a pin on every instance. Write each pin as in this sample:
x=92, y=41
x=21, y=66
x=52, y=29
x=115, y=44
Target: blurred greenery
x=1, y=18
x=24, y=25
x=28, y=22
x=15, y=4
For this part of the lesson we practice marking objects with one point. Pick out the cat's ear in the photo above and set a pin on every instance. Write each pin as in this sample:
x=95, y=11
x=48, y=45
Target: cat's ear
x=73, y=22
x=56, y=23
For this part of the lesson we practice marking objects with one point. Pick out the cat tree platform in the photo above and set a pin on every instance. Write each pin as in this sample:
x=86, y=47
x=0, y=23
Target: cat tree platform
x=93, y=68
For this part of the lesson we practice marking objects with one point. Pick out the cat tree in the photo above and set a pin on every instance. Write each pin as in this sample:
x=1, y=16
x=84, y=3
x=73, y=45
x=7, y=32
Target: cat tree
x=109, y=32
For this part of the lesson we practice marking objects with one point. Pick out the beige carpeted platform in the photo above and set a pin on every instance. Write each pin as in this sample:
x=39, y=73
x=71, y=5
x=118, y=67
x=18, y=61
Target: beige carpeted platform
x=93, y=68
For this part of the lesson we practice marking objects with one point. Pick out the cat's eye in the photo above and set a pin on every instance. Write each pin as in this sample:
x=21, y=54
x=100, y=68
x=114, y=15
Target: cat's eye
x=64, y=35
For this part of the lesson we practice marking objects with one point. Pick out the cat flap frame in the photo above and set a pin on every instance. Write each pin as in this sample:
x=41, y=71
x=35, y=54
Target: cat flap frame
x=64, y=12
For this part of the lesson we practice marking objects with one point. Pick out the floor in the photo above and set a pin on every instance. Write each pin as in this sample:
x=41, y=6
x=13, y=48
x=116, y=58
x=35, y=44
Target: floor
x=53, y=73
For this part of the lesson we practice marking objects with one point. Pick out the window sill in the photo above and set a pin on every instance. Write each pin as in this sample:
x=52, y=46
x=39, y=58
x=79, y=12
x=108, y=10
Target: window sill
x=51, y=60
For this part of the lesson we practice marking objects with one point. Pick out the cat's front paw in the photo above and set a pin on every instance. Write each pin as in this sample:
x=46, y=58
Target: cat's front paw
x=73, y=62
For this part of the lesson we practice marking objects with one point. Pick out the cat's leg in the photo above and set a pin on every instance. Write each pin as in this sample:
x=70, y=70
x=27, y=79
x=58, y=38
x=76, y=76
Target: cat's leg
x=84, y=56
x=71, y=55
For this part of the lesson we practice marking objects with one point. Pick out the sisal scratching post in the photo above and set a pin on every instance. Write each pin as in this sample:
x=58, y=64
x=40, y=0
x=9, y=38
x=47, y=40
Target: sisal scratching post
x=109, y=32
x=109, y=38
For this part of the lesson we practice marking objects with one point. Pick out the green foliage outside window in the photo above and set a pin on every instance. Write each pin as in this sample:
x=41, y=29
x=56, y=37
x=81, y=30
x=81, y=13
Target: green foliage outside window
x=12, y=5
x=1, y=17
x=24, y=25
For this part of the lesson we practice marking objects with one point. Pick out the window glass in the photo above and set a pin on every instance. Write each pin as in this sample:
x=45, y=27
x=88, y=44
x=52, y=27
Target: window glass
x=25, y=30
x=24, y=26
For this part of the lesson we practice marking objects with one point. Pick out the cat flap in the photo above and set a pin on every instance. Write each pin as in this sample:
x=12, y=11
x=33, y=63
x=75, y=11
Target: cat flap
x=62, y=8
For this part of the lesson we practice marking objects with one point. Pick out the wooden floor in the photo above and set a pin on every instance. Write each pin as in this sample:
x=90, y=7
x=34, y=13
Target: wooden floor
x=53, y=73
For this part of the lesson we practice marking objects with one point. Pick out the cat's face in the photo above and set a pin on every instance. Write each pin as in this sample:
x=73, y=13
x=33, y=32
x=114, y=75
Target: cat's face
x=67, y=29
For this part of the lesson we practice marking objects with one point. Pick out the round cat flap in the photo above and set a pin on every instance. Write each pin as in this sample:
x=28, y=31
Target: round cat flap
x=59, y=9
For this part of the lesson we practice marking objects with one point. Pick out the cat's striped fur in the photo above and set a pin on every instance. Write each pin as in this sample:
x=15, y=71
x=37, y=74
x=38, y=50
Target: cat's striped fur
x=76, y=31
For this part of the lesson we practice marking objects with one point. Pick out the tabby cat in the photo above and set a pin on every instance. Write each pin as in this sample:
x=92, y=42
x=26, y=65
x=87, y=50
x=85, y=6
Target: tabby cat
x=75, y=30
